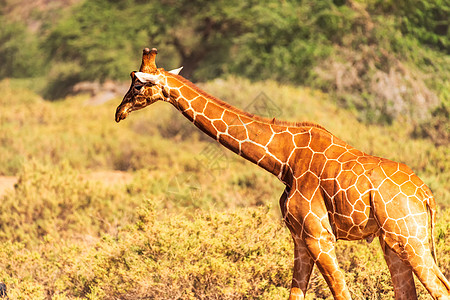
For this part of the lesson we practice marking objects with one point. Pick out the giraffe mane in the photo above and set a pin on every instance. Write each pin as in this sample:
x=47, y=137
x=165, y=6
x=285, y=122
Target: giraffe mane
x=244, y=113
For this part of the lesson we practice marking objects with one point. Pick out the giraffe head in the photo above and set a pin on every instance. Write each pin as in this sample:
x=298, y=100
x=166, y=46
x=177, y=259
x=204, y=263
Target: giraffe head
x=146, y=87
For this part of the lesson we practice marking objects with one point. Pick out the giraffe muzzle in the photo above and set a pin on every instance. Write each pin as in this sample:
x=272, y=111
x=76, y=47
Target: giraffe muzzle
x=122, y=112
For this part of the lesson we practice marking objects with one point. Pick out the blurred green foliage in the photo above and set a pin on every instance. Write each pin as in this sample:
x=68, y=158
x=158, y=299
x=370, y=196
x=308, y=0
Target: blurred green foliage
x=385, y=60
x=98, y=36
x=428, y=21
x=20, y=52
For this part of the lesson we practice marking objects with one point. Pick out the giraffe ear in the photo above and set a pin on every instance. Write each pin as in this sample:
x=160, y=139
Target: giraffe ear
x=145, y=77
x=175, y=71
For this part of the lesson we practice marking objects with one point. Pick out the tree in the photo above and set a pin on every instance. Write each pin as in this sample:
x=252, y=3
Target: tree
x=105, y=36
x=20, y=55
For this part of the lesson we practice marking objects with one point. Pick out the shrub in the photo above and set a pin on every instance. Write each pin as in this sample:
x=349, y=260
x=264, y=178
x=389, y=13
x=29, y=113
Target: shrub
x=237, y=254
x=57, y=202
x=61, y=79
x=20, y=53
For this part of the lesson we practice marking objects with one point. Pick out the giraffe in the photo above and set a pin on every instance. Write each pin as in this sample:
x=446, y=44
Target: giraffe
x=333, y=191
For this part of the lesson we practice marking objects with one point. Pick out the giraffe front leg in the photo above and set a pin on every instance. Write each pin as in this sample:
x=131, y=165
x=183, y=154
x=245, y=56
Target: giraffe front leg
x=401, y=274
x=308, y=218
x=322, y=250
x=315, y=236
x=303, y=262
x=303, y=265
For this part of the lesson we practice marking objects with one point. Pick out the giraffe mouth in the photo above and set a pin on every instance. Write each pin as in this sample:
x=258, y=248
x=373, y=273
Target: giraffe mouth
x=122, y=112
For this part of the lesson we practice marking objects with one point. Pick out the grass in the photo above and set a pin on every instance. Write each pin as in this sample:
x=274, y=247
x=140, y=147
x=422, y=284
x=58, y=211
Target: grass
x=194, y=216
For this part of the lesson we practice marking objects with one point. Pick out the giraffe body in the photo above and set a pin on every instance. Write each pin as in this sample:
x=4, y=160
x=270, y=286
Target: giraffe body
x=333, y=191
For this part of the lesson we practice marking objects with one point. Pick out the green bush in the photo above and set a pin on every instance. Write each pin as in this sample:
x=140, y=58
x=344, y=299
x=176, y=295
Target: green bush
x=61, y=79
x=20, y=51
x=438, y=126
x=426, y=21
x=58, y=203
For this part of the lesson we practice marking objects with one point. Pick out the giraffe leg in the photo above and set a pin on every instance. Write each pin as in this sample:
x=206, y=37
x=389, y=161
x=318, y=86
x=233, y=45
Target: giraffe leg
x=407, y=235
x=322, y=251
x=429, y=274
x=309, y=220
x=401, y=274
x=303, y=263
x=418, y=256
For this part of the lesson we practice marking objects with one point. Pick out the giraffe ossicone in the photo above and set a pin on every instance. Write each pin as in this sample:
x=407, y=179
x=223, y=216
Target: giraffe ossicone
x=333, y=191
x=153, y=78
x=176, y=71
x=146, y=77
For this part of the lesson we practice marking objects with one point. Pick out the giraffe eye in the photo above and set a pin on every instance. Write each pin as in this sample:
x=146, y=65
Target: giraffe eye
x=138, y=87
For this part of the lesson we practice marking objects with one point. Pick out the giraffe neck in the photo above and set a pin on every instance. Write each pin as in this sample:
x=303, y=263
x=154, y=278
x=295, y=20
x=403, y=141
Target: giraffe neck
x=256, y=139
